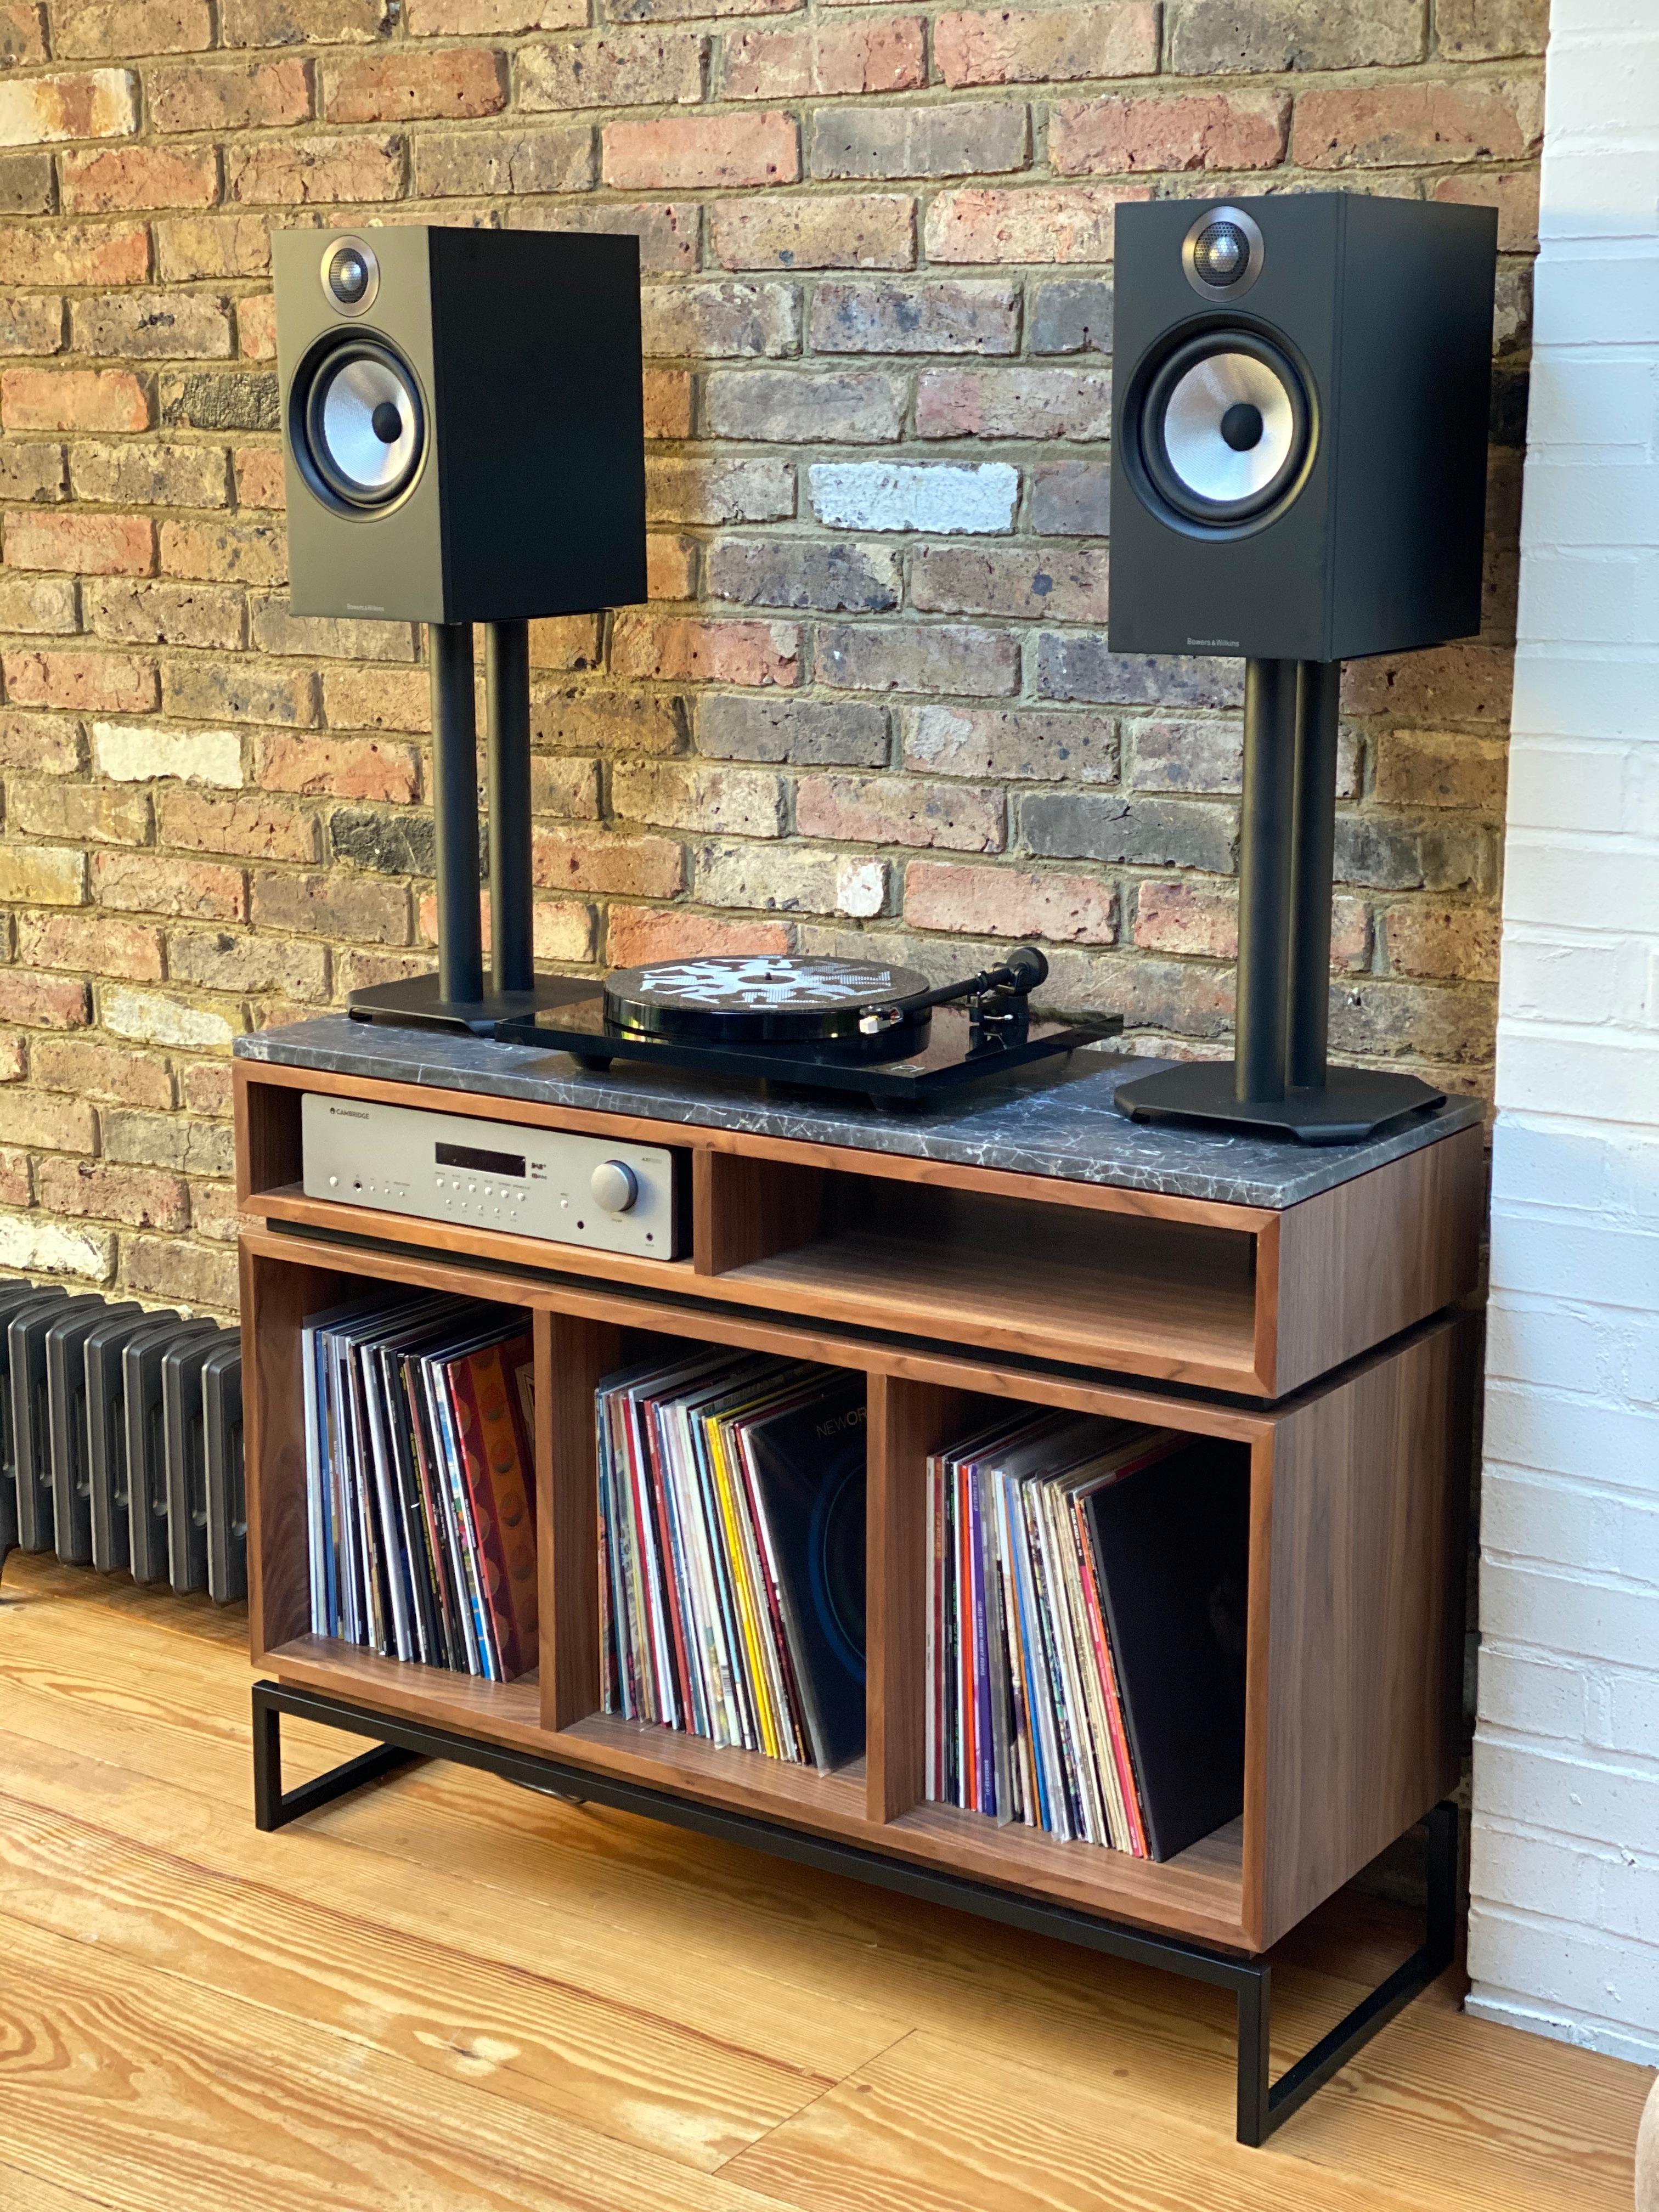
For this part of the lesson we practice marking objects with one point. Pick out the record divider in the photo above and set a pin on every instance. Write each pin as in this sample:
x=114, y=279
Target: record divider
x=1359, y=1481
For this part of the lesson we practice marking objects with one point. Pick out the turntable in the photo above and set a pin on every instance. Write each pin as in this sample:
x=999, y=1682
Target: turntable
x=813, y=1023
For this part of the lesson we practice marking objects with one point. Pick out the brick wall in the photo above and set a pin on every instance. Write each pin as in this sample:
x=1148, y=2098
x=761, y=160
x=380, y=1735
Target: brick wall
x=1564, y=1931
x=872, y=702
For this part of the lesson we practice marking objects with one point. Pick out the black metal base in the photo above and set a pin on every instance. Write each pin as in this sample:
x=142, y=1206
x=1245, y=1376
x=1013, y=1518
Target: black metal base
x=1354, y=1104
x=1263, y=2104
x=415, y=1003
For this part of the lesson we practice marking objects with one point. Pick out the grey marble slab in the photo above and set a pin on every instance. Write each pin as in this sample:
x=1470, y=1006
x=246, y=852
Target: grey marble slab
x=1069, y=1129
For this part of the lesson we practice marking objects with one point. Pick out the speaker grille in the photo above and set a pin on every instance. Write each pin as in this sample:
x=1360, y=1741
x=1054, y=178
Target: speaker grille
x=359, y=424
x=1224, y=428
x=1221, y=253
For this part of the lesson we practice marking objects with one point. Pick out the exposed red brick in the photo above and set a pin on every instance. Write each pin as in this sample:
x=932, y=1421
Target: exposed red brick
x=671, y=567
x=93, y=682
x=103, y=1190
x=683, y=152
x=1159, y=132
x=636, y=934
x=259, y=476
x=94, y=945
x=142, y=883
x=1011, y=45
x=255, y=829
x=23, y=34
x=95, y=183
x=1398, y=125
x=338, y=767
x=1447, y=684
x=865, y=230
x=92, y=545
x=256, y=326
x=475, y=19
x=590, y=861
x=101, y=254
x=117, y=29
x=1067, y=909
x=399, y=86
x=313, y=171
x=242, y=97
x=1030, y=223
x=667, y=403
x=47, y=1002
x=772, y=62
x=891, y=809
x=1442, y=944
x=73, y=399
x=682, y=650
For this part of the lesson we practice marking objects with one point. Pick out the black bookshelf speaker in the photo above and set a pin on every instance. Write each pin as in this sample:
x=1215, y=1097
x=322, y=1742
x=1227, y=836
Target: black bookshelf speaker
x=462, y=422
x=1299, y=425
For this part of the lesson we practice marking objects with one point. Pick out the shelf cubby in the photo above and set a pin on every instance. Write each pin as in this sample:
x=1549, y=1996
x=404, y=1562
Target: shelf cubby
x=1358, y=1487
x=1252, y=1300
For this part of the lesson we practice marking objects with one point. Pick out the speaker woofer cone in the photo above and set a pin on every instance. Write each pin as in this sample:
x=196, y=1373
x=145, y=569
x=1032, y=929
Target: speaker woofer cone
x=360, y=423
x=1224, y=428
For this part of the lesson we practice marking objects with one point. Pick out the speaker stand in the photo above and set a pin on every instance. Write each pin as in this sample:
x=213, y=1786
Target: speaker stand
x=1279, y=1083
x=458, y=998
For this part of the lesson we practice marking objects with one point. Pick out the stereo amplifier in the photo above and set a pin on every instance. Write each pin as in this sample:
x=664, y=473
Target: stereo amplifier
x=491, y=1175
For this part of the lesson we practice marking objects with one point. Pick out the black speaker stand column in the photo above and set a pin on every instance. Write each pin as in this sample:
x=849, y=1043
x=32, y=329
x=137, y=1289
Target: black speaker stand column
x=1279, y=1084
x=457, y=997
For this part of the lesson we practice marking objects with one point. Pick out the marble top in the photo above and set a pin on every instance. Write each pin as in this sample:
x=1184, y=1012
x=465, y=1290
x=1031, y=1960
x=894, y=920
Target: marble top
x=1068, y=1128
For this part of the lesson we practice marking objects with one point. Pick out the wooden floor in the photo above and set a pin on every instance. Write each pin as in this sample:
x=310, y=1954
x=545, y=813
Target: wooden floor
x=449, y=1993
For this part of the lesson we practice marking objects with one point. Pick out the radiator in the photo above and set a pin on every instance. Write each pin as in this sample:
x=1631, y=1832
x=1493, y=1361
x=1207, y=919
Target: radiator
x=121, y=1439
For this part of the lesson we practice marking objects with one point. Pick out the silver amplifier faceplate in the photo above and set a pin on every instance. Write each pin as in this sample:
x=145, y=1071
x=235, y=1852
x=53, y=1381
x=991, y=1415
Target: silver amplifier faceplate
x=496, y=1175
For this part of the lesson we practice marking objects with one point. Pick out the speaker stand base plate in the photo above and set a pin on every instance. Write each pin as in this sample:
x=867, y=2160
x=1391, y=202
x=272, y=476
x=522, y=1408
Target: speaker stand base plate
x=415, y=1003
x=1355, y=1103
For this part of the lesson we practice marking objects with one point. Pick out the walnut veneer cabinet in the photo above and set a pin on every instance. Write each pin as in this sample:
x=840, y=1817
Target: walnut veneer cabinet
x=1311, y=1310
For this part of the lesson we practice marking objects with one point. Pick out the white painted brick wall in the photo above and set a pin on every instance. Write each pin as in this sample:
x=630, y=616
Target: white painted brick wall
x=1564, y=1932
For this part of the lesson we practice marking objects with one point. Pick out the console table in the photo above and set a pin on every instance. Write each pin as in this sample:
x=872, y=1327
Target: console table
x=1307, y=1308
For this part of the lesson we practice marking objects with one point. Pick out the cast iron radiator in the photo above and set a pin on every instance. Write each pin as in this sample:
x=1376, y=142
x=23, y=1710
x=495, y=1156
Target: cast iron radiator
x=121, y=1439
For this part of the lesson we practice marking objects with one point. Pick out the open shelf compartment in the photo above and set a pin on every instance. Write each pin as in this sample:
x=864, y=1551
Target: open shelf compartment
x=1357, y=1494
x=1209, y=1295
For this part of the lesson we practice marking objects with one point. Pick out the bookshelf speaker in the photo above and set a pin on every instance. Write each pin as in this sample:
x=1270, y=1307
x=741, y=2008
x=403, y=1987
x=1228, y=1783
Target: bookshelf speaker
x=1299, y=479
x=462, y=422
x=1299, y=455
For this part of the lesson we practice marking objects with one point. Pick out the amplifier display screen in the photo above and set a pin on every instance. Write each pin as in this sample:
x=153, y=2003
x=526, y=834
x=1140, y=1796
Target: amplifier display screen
x=468, y=1155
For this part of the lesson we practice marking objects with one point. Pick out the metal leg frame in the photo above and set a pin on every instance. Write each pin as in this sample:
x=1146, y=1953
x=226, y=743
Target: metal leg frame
x=1263, y=2104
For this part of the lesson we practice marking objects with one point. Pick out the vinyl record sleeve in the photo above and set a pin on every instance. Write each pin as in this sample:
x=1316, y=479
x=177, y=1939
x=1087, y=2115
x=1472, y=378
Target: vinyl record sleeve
x=809, y=1467
x=1172, y=1551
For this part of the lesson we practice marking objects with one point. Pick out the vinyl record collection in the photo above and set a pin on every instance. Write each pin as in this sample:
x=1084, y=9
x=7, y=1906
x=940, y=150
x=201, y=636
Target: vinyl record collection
x=420, y=1481
x=732, y=1516
x=1085, y=1631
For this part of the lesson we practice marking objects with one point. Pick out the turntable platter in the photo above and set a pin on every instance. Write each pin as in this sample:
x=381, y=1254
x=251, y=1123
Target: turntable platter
x=762, y=998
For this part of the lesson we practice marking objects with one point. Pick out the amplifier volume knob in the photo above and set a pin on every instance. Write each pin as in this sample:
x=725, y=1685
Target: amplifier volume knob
x=614, y=1186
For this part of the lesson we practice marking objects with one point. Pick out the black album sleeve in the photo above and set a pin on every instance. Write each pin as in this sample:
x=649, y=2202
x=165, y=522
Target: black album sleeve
x=1171, y=1545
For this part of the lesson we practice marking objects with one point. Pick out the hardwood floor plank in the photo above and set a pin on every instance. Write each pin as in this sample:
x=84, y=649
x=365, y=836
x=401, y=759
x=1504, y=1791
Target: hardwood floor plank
x=551, y=1934
x=511, y=2031
x=170, y=2098
x=1083, y=2019
x=28, y=2192
x=921, y=2128
x=918, y=2132
x=791, y=1971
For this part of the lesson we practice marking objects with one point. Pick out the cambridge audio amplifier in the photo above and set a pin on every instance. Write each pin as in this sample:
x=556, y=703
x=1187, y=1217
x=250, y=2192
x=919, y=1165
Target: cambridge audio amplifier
x=493, y=1175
